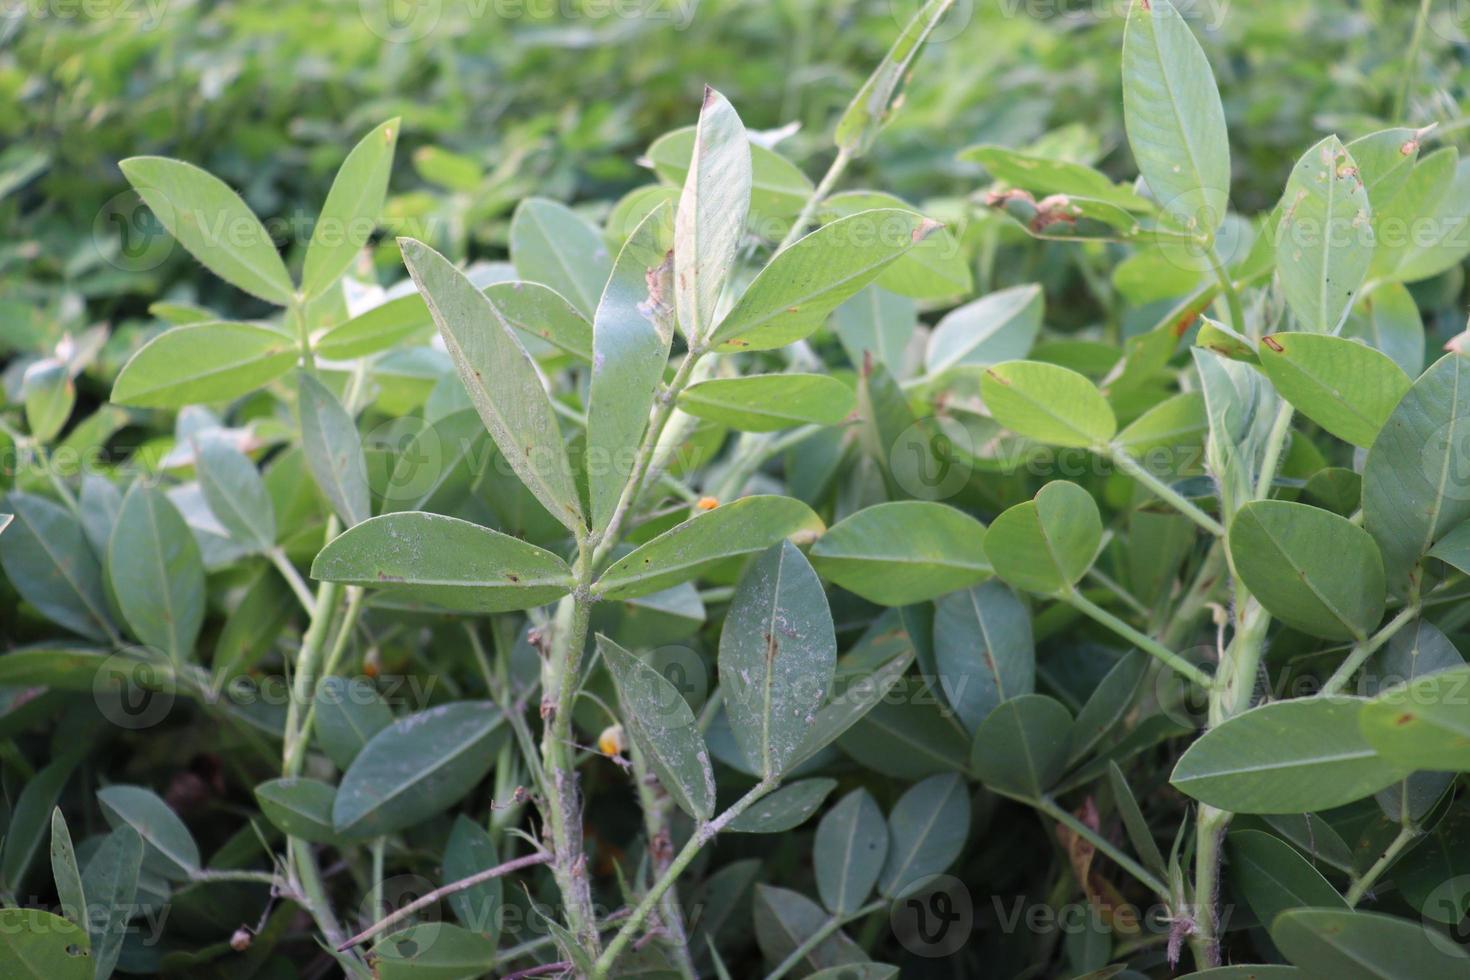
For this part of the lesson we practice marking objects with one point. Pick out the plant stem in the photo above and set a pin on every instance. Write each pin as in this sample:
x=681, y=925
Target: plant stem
x=1227, y=286
x=1139, y=472
x=824, y=187
x=657, y=806
x=641, y=463
x=1205, y=940
x=453, y=888
x=308, y=661
x=1145, y=643
x=1275, y=442
x=1365, y=649
x=1407, y=834
x=563, y=811
x=1052, y=809
x=702, y=836
x=293, y=578
x=817, y=938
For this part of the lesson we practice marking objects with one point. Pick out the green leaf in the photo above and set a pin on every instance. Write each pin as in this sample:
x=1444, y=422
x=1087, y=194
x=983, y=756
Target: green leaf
x=793, y=295
x=1385, y=160
x=908, y=734
x=1424, y=724
x=880, y=95
x=983, y=650
x=1324, y=240
x=711, y=214
x=552, y=244
x=860, y=694
x=777, y=654
x=1178, y=423
x=168, y=847
x=333, y=450
x=1346, y=387
x=203, y=363
x=742, y=527
x=1309, y=567
x=1046, y=544
x=936, y=269
x=786, y=809
x=444, y=561
x=1109, y=702
x=416, y=767
x=1388, y=320
x=631, y=334
x=769, y=402
x=351, y=210
x=664, y=729
x=1295, y=756
x=501, y=379
x=48, y=561
x=1048, y=403
x=1454, y=548
x=469, y=851
x=1139, y=833
x=1422, y=227
x=927, y=830
x=1021, y=747
x=111, y=882
x=778, y=188
x=876, y=325
x=1044, y=176
x=1414, y=489
x=433, y=951
x=30, y=819
x=65, y=873
x=213, y=223
x=237, y=495
x=156, y=573
x=903, y=552
x=849, y=851
x=1172, y=113
x=300, y=807
x=349, y=712
x=48, y=393
x=998, y=327
x=1274, y=877
x=1365, y=946
x=36, y=945
x=785, y=920
x=438, y=466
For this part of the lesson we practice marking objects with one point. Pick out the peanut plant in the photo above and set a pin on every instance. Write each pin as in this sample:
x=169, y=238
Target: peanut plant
x=733, y=599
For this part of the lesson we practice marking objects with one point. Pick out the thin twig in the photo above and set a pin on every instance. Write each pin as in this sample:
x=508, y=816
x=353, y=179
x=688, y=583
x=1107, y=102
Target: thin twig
x=453, y=888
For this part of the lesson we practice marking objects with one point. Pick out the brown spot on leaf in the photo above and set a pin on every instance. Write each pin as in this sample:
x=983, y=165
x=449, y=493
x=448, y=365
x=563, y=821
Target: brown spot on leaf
x=1273, y=343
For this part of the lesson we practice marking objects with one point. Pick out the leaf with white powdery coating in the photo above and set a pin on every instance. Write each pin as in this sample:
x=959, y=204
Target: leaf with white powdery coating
x=631, y=334
x=778, y=650
x=444, y=561
x=711, y=214
x=501, y=380
x=664, y=729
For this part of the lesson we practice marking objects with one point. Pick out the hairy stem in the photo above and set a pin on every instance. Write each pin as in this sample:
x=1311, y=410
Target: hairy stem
x=702, y=836
x=657, y=807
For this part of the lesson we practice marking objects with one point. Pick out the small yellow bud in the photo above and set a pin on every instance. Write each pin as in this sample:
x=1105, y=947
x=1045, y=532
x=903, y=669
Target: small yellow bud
x=707, y=503
x=610, y=742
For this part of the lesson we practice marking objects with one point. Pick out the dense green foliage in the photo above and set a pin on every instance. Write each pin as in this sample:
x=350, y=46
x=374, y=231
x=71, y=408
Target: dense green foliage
x=478, y=503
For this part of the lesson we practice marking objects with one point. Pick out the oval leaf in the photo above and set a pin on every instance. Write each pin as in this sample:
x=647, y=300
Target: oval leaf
x=1048, y=403
x=203, y=363
x=903, y=552
x=1047, y=544
x=768, y=402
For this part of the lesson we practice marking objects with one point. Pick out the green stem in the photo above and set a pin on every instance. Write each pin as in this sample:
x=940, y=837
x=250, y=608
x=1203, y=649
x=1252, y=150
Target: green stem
x=657, y=807
x=1050, y=807
x=1227, y=286
x=1145, y=643
x=702, y=836
x=1205, y=940
x=1139, y=472
x=1390, y=854
x=820, y=936
x=1275, y=443
x=1365, y=649
x=293, y=579
x=824, y=187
